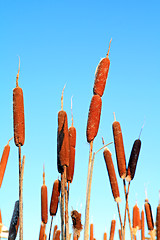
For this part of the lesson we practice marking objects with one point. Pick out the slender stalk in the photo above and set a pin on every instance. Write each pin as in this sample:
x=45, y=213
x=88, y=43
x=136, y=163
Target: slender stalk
x=89, y=163
x=66, y=204
x=86, y=227
x=127, y=210
x=120, y=219
x=62, y=206
x=50, y=228
x=20, y=198
x=68, y=189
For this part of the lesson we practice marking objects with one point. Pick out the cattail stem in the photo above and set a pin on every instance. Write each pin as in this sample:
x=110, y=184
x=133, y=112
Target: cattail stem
x=120, y=219
x=20, y=198
x=10, y=140
x=17, y=77
x=62, y=206
x=66, y=205
x=86, y=227
x=127, y=210
x=109, y=47
x=62, y=97
x=68, y=189
x=89, y=163
x=50, y=228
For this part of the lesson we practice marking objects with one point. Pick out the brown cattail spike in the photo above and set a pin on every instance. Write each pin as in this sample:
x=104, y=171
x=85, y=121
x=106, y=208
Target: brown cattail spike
x=136, y=219
x=105, y=236
x=57, y=235
x=76, y=220
x=112, y=175
x=72, y=144
x=14, y=224
x=54, y=231
x=158, y=220
x=91, y=232
x=101, y=75
x=94, y=117
x=112, y=230
x=44, y=201
x=120, y=234
x=62, y=140
x=42, y=231
x=55, y=197
x=133, y=160
x=18, y=114
x=119, y=148
x=4, y=161
x=149, y=217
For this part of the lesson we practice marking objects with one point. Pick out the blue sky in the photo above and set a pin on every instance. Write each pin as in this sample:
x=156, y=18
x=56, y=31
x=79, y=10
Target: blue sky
x=62, y=42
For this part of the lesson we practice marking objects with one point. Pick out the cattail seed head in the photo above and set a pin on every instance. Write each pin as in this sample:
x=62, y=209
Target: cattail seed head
x=62, y=141
x=94, y=117
x=3, y=162
x=18, y=116
x=133, y=160
x=55, y=197
x=112, y=175
x=136, y=219
x=119, y=148
x=112, y=230
x=158, y=222
x=149, y=216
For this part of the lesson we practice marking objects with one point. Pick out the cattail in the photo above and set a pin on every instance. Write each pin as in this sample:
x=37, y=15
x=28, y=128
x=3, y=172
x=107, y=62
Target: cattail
x=55, y=197
x=142, y=226
x=62, y=140
x=120, y=234
x=101, y=75
x=149, y=217
x=57, y=235
x=44, y=201
x=54, y=231
x=136, y=219
x=94, y=117
x=42, y=231
x=119, y=148
x=158, y=221
x=18, y=114
x=112, y=230
x=76, y=220
x=72, y=144
x=14, y=224
x=91, y=231
x=105, y=236
x=133, y=160
x=112, y=175
x=4, y=161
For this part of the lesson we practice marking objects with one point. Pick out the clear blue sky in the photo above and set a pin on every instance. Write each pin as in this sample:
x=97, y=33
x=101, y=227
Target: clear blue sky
x=62, y=42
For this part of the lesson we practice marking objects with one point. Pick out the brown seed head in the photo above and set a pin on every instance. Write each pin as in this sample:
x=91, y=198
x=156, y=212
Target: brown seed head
x=119, y=148
x=112, y=175
x=94, y=117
